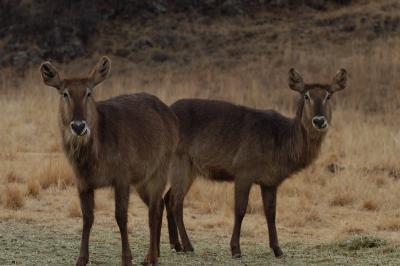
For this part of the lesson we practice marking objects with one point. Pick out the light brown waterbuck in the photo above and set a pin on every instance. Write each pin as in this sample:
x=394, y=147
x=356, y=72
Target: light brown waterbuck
x=226, y=142
x=126, y=140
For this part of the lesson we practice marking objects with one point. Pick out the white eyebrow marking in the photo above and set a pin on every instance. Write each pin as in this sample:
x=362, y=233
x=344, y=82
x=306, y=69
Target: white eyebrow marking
x=309, y=96
x=326, y=96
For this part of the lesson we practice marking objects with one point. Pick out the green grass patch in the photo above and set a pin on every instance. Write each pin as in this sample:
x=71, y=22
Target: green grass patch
x=358, y=242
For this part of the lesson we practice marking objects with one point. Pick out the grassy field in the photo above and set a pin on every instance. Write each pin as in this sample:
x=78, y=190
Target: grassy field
x=343, y=209
x=350, y=191
x=35, y=244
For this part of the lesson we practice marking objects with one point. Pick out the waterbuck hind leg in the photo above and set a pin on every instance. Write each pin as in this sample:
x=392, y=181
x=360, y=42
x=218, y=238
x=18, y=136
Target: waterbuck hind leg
x=269, y=202
x=86, y=198
x=177, y=208
x=182, y=178
x=156, y=206
x=121, y=215
x=151, y=194
x=242, y=190
x=172, y=228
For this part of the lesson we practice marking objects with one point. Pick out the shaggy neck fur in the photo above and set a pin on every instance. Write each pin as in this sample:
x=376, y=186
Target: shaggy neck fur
x=82, y=151
x=302, y=144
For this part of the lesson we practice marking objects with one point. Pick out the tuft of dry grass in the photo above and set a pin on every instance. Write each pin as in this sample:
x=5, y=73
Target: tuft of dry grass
x=353, y=230
x=74, y=209
x=370, y=205
x=12, y=177
x=57, y=173
x=33, y=187
x=390, y=224
x=342, y=200
x=13, y=198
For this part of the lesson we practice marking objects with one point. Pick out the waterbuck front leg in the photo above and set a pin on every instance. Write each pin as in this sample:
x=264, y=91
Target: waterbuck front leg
x=269, y=202
x=121, y=215
x=242, y=190
x=86, y=198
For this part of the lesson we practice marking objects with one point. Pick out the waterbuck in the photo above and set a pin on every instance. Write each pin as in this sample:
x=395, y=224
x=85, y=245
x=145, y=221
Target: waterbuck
x=126, y=140
x=226, y=142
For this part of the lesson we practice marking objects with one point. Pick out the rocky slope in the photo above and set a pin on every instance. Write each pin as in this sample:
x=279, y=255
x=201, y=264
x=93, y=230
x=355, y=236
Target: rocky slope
x=178, y=31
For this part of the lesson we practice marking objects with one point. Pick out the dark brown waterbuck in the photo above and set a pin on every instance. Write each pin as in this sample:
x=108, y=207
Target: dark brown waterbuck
x=226, y=142
x=126, y=140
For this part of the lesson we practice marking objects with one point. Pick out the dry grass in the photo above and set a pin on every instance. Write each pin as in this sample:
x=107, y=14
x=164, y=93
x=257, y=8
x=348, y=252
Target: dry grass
x=342, y=199
x=74, y=209
x=57, y=173
x=13, y=198
x=33, y=187
x=12, y=177
x=370, y=205
x=389, y=224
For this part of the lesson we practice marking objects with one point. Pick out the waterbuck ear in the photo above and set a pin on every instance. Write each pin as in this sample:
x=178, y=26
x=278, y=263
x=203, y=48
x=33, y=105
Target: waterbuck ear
x=339, y=81
x=100, y=71
x=50, y=75
x=295, y=81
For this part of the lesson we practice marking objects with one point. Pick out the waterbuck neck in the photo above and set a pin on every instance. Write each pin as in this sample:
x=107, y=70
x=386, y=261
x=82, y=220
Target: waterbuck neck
x=303, y=143
x=80, y=150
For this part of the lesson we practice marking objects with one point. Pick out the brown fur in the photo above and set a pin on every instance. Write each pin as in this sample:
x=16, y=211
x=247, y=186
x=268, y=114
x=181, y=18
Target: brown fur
x=131, y=140
x=224, y=141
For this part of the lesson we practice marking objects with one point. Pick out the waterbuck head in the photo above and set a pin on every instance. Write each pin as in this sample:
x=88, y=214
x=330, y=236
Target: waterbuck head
x=316, y=111
x=77, y=106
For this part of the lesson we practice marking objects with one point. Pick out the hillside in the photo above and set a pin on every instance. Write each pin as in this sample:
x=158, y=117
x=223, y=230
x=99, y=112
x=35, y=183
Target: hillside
x=187, y=33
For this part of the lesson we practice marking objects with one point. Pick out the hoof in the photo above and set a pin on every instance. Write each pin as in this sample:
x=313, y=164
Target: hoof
x=150, y=261
x=188, y=249
x=237, y=256
x=278, y=252
x=127, y=261
x=82, y=261
x=176, y=247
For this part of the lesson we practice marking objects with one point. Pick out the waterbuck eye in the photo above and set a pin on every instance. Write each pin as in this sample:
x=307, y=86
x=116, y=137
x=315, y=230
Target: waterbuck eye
x=328, y=97
x=306, y=97
x=65, y=95
x=88, y=93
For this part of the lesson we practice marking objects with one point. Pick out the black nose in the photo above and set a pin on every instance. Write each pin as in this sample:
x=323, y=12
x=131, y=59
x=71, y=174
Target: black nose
x=319, y=121
x=78, y=127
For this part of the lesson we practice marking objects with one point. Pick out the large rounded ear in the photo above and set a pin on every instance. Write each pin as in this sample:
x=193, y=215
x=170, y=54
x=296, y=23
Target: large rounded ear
x=339, y=81
x=100, y=71
x=50, y=75
x=295, y=81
